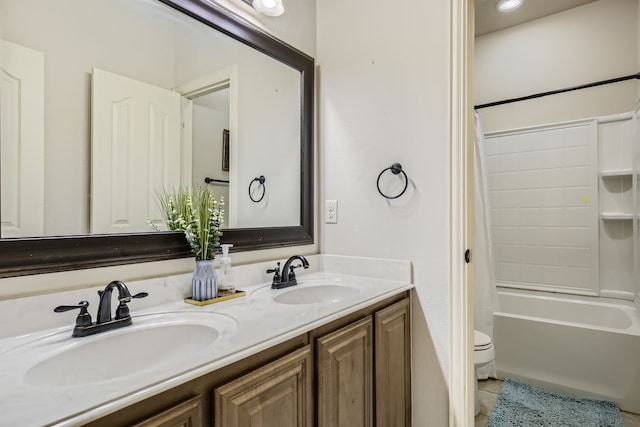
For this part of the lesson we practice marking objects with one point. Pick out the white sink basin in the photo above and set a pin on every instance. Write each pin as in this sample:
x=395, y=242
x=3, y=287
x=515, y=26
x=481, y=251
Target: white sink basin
x=152, y=342
x=316, y=294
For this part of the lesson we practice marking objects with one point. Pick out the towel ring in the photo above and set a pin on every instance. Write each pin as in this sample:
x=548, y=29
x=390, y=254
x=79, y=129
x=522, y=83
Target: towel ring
x=261, y=181
x=395, y=169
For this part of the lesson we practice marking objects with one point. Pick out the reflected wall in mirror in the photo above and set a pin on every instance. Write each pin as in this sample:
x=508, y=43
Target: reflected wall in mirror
x=97, y=152
x=113, y=139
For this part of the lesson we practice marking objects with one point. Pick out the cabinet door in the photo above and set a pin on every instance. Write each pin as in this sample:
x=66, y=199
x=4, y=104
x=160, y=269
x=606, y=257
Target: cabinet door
x=187, y=414
x=276, y=395
x=345, y=377
x=393, y=365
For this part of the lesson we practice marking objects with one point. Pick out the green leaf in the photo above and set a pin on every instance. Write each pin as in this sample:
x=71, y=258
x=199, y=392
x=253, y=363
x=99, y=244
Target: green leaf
x=198, y=213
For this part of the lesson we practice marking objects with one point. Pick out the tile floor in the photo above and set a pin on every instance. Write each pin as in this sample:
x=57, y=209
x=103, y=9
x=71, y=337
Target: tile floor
x=488, y=391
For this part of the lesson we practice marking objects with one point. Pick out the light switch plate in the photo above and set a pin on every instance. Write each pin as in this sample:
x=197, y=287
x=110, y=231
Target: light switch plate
x=331, y=211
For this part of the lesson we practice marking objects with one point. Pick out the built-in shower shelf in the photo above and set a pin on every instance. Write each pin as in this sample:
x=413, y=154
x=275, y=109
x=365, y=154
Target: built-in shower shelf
x=614, y=173
x=616, y=216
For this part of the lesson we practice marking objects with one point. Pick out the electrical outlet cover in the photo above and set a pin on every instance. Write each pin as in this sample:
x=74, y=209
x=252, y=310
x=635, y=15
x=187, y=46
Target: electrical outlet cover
x=331, y=211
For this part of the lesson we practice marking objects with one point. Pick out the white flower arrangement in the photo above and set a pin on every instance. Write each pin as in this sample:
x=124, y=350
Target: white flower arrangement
x=198, y=213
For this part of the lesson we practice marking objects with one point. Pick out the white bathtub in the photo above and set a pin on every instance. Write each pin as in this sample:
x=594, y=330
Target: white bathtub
x=581, y=346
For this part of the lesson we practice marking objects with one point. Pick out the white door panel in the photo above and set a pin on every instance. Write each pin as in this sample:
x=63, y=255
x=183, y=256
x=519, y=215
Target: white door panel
x=22, y=136
x=135, y=151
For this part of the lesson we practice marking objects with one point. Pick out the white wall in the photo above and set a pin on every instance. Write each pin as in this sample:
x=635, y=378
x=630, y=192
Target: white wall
x=383, y=95
x=593, y=42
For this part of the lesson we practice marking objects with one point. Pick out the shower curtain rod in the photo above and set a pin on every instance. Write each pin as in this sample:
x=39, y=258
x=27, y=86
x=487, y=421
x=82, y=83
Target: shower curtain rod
x=557, y=91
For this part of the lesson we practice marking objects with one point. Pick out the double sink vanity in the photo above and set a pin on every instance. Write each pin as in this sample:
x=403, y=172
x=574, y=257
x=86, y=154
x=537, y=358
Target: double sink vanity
x=332, y=350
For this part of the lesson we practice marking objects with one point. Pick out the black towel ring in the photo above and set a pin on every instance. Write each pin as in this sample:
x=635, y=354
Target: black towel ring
x=395, y=169
x=261, y=181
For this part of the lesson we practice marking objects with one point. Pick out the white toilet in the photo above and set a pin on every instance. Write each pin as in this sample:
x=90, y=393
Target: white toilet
x=483, y=354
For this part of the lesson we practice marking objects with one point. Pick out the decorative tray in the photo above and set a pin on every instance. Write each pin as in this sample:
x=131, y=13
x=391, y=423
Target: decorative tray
x=237, y=294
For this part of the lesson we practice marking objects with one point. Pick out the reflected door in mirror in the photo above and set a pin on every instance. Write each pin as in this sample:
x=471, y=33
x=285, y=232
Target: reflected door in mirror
x=22, y=140
x=135, y=152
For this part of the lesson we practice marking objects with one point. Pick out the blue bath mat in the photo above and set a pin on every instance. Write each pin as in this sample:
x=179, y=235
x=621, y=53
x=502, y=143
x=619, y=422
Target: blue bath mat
x=524, y=405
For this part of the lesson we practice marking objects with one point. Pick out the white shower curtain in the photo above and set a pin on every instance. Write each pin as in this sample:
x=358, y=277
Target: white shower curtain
x=485, y=292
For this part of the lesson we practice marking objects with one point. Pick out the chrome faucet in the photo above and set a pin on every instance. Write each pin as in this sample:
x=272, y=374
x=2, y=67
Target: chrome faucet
x=104, y=321
x=288, y=277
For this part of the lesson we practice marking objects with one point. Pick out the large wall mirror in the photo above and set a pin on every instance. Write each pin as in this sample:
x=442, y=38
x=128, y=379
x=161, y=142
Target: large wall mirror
x=106, y=102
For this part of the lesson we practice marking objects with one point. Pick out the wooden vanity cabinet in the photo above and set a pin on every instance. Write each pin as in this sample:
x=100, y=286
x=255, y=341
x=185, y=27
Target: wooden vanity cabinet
x=279, y=394
x=363, y=371
x=354, y=371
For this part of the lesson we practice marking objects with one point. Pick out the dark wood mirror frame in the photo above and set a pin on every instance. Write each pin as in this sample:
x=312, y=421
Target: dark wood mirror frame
x=25, y=256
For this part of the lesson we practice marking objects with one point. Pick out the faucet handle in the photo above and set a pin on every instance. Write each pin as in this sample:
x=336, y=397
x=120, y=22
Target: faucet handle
x=276, y=273
x=82, y=305
x=122, y=310
x=292, y=274
x=83, y=319
x=129, y=298
x=275, y=270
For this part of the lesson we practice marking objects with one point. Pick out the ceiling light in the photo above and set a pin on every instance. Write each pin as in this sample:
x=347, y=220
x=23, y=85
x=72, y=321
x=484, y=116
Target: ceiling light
x=508, y=5
x=269, y=7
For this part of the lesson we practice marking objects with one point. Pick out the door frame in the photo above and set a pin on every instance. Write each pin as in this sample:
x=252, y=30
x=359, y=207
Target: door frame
x=461, y=367
x=221, y=79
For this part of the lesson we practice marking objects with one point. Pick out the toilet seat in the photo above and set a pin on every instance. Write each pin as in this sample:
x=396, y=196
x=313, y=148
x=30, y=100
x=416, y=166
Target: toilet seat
x=483, y=352
x=481, y=341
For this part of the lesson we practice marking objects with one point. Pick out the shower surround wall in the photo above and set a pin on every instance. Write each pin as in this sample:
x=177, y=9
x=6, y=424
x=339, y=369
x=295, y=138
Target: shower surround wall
x=562, y=206
x=543, y=187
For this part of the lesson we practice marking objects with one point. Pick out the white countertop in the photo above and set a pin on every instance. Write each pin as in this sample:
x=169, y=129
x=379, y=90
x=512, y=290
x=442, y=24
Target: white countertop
x=248, y=325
